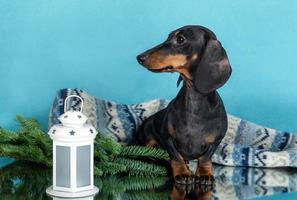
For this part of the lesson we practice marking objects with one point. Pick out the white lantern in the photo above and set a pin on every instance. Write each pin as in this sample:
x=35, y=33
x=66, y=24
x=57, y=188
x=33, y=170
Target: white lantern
x=73, y=155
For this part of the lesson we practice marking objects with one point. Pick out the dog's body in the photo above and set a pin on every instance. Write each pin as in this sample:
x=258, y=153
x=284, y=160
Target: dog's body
x=195, y=121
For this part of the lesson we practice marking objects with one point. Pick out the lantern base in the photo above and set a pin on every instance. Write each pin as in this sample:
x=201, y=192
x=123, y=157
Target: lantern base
x=80, y=194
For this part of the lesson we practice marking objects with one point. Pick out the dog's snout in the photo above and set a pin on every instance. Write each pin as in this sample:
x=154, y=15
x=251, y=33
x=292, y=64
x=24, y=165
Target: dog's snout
x=141, y=58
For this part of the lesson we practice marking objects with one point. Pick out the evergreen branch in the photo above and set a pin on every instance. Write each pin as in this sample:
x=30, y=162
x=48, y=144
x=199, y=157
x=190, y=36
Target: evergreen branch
x=140, y=151
x=24, y=152
x=97, y=171
x=27, y=125
x=100, y=154
x=36, y=139
x=30, y=132
x=30, y=143
x=111, y=168
x=31, y=137
x=111, y=147
x=7, y=136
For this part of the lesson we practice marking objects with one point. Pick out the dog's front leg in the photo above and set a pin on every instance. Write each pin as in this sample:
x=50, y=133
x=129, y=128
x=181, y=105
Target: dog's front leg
x=178, y=193
x=204, y=173
x=180, y=171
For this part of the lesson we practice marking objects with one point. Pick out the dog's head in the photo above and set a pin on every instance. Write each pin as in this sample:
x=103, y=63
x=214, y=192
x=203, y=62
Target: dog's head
x=195, y=53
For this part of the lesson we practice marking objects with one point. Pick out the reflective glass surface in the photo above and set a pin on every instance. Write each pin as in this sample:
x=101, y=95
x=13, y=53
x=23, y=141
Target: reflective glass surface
x=23, y=181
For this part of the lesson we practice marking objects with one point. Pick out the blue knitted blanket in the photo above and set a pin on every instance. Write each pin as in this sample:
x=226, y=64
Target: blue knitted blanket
x=245, y=143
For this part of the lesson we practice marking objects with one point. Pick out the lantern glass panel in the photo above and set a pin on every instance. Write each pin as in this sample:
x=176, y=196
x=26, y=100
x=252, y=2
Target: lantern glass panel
x=62, y=166
x=83, y=159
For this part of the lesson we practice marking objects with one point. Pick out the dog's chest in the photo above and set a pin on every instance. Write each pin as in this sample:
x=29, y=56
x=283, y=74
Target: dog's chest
x=193, y=134
x=192, y=141
x=196, y=123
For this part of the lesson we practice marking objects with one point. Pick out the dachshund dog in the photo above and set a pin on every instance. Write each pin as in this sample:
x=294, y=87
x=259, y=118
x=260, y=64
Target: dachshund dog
x=195, y=121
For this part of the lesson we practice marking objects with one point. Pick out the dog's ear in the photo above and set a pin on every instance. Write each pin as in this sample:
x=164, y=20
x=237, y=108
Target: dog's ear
x=213, y=69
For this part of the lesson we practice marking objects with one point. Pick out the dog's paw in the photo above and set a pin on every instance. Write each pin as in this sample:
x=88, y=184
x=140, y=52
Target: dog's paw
x=204, y=188
x=184, y=179
x=205, y=180
x=197, y=180
x=185, y=188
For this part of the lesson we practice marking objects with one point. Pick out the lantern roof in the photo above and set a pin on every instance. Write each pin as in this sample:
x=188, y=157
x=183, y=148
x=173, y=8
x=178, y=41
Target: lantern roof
x=73, y=127
x=73, y=134
x=73, y=118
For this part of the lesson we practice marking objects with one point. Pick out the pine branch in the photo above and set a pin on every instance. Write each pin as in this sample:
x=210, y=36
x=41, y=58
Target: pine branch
x=100, y=154
x=27, y=125
x=30, y=143
x=27, y=143
x=140, y=151
x=97, y=171
x=24, y=152
x=111, y=147
x=111, y=168
x=7, y=136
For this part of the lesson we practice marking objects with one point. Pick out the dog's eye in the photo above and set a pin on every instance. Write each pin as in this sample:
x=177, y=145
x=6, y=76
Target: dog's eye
x=180, y=39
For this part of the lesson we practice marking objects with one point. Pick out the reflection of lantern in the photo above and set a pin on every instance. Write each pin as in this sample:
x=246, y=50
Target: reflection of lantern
x=73, y=155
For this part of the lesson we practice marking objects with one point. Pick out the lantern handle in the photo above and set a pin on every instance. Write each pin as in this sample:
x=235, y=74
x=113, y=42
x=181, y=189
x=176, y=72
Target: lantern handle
x=81, y=105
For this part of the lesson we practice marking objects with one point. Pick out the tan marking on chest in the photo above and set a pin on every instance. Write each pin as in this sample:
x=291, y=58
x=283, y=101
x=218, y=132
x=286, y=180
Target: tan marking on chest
x=194, y=57
x=151, y=143
x=209, y=138
x=171, y=130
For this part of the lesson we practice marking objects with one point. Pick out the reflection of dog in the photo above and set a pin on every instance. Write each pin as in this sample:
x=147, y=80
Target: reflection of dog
x=190, y=192
x=195, y=121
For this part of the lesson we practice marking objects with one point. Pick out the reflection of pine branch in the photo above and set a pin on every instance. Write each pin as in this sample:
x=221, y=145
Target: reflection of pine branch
x=143, y=183
x=111, y=187
x=140, y=168
x=30, y=143
x=146, y=195
x=23, y=180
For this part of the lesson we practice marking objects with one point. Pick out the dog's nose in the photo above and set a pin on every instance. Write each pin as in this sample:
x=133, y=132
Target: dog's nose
x=141, y=58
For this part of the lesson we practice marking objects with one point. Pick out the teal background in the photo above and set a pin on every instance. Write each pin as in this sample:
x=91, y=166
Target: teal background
x=48, y=45
x=53, y=44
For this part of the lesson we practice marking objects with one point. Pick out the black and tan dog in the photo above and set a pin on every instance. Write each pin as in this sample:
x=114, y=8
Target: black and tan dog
x=195, y=121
